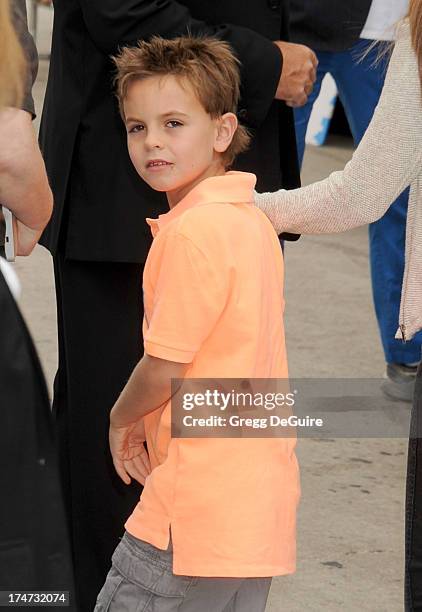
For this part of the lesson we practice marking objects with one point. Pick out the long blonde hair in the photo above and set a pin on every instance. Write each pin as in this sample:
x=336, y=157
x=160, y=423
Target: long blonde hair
x=12, y=62
x=415, y=20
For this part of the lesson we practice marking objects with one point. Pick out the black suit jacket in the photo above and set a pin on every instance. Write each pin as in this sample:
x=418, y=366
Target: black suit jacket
x=100, y=201
x=328, y=25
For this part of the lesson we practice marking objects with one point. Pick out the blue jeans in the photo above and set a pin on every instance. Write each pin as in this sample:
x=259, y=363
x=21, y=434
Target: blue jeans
x=359, y=83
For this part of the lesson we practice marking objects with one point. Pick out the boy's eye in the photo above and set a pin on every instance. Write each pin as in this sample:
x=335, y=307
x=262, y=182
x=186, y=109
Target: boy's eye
x=135, y=128
x=173, y=123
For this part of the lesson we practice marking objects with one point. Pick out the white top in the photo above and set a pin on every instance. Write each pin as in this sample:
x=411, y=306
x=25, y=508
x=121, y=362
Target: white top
x=387, y=160
x=383, y=18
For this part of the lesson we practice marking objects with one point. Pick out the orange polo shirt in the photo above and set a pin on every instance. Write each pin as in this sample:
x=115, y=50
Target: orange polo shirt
x=213, y=297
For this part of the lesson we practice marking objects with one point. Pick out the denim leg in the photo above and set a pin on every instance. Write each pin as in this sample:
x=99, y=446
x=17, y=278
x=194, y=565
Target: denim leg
x=387, y=246
x=303, y=113
x=413, y=529
x=360, y=79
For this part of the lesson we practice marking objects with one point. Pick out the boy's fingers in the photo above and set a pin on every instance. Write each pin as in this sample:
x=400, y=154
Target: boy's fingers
x=118, y=466
x=142, y=468
x=136, y=471
x=145, y=459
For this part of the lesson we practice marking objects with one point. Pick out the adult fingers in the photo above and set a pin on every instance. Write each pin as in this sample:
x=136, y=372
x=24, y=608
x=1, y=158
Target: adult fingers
x=312, y=57
x=297, y=101
x=309, y=88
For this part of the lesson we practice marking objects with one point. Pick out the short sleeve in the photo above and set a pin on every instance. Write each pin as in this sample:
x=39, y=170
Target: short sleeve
x=192, y=289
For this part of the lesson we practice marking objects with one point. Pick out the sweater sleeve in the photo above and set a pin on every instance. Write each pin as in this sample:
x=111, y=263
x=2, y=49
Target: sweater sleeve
x=387, y=160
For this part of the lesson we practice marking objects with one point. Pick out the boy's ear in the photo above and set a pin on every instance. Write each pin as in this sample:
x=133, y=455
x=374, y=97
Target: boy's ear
x=226, y=127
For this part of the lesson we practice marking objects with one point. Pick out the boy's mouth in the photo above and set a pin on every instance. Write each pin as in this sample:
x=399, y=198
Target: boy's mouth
x=158, y=163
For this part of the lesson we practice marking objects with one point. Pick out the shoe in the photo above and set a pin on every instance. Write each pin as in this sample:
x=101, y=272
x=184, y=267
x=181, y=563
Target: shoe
x=400, y=383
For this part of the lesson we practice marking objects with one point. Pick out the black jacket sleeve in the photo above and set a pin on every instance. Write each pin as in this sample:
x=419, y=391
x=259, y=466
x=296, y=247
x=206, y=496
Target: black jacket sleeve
x=114, y=24
x=30, y=51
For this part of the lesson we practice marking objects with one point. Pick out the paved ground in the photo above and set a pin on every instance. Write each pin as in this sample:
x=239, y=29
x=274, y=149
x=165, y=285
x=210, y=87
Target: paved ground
x=350, y=527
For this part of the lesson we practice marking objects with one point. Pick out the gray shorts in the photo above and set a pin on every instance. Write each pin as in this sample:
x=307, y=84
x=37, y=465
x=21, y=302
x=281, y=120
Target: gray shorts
x=141, y=580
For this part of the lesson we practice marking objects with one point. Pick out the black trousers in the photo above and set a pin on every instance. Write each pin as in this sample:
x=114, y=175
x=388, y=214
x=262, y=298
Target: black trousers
x=100, y=311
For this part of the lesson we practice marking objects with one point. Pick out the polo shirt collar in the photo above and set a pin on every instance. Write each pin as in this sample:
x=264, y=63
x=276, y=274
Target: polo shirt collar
x=233, y=187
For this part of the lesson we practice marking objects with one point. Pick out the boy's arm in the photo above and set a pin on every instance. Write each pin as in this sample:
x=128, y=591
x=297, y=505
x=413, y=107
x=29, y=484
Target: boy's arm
x=191, y=292
x=148, y=388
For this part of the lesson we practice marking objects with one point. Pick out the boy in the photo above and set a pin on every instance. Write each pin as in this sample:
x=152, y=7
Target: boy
x=216, y=519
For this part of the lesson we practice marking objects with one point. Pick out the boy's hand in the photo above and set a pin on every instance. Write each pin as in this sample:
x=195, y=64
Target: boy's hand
x=130, y=458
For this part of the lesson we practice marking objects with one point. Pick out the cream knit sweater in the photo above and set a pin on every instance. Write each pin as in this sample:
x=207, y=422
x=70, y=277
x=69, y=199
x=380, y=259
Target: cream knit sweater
x=388, y=159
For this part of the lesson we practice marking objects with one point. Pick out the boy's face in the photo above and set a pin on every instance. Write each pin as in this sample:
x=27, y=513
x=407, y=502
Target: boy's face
x=173, y=142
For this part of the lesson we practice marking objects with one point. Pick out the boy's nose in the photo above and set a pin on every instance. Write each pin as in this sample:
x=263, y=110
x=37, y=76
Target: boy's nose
x=152, y=141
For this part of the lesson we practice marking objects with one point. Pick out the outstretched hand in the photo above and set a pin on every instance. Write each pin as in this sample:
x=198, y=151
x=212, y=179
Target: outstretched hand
x=130, y=458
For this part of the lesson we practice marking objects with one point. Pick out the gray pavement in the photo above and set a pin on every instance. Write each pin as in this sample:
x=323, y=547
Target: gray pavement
x=351, y=517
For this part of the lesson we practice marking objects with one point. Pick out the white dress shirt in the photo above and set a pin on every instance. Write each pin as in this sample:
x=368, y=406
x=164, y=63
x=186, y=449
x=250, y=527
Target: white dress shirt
x=383, y=18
